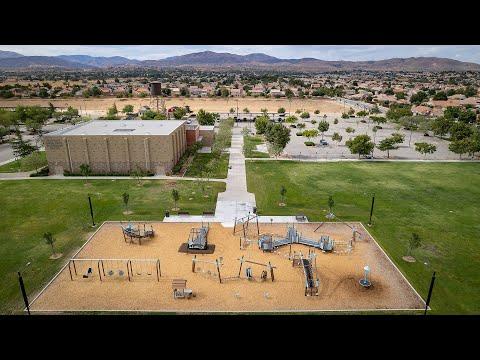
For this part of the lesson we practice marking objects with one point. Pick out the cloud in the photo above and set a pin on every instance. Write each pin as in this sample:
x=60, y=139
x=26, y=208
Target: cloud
x=324, y=52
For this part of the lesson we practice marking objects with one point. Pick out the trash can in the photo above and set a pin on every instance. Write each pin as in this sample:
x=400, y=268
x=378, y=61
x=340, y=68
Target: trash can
x=254, y=209
x=167, y=213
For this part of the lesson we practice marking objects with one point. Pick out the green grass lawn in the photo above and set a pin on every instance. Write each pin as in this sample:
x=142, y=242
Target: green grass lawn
x=250, y=144
x=32, y=207
x=439, y=201
x=25, y=164
x=200, y=161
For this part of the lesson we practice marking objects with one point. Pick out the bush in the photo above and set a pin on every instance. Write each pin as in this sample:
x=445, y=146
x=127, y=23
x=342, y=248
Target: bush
x=316, y=112
x=299, y=133
x=363, y=121
x=335, y=121
x=301, y=126
x=293, y=126
x=309, y=143
x=305, y=115
x=313, y=122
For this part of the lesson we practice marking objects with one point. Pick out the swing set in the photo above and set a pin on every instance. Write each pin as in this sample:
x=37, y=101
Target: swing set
x=249, y=273
x=217, y=263
x=114, y=269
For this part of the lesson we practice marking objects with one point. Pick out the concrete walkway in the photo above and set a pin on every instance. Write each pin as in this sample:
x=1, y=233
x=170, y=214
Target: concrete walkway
x=236, y=201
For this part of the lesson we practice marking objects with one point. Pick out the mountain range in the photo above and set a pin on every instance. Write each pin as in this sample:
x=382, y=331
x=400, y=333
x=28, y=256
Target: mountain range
x=209, y=60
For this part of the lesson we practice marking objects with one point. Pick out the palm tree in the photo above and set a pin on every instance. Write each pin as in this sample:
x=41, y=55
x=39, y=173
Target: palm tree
x=50, y=240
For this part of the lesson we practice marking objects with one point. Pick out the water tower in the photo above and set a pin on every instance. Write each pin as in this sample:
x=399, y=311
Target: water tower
x=155, y=88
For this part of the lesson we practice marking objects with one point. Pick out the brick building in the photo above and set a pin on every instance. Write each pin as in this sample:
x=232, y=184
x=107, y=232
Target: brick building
x=117, y=147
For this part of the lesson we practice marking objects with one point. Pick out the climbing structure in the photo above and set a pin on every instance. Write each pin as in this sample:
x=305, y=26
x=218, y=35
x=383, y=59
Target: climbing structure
x=268, y=242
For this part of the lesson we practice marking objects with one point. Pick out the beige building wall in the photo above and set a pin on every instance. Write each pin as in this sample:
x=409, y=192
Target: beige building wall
x=115, y=154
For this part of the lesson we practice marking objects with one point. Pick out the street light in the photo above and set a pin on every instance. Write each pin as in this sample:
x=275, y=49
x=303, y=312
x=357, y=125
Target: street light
x=91, y=210
x=371, y=210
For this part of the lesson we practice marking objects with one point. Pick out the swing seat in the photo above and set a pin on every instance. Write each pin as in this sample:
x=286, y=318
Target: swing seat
x=121, y=273
x=110, y=273
x=88, y=273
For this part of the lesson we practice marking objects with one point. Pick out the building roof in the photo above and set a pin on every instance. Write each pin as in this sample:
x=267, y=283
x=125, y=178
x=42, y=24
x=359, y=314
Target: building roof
x=120, y=127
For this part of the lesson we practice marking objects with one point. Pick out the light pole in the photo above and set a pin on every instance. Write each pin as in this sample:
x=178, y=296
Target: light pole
x=91, y=210
x=432, y=282
x=22, y=287
x=371, y=210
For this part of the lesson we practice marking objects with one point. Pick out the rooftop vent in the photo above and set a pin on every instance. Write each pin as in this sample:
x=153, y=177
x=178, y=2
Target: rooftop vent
x=123, y=130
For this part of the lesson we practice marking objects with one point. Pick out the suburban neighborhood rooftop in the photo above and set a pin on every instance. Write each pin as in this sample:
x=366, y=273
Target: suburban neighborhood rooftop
x=119, y=127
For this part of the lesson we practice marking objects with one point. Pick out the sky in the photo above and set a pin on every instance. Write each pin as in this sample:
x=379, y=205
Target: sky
x=470, y=53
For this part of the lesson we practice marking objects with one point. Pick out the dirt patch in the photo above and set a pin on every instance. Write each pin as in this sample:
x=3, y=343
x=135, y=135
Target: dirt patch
x=409, y=259
x=338, y=275
x=55, y=256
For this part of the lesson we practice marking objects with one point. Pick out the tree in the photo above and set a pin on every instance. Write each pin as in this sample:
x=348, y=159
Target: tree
x=441, y=125
x=125, y=198
x=414, y=243
x=21, y=148
x=441, y=95
x=419, y=97
x=232, y=110
x=337, y=137
x=390, y=143
x=246, y=111
x=396, y=112
x=281, y=110
x=112, y=112
x=278, y=136
x=305, y=115
x=460, y=130
x=459, y=147
x=127, y=109
x=180, y=112
x=323, y=126
x=175, y=197
x=86, y=171
x=291, y=119
x=361, y=145
x=205, y=118
x=309, y=134
x=50, y=240
x=283, y=192
x=331, y=203
x=261, y=123
x=425, y=148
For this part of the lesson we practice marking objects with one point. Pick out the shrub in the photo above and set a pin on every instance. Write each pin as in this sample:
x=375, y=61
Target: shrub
x=335, y=121
x=313, y=122
x=309, y=143
x=305, y=115
x=299, y=133
x=316, y=112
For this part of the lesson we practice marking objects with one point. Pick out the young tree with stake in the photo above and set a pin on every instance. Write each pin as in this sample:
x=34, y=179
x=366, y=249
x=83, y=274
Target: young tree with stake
x=175, y=197
x=283, y=192
x=125, y=198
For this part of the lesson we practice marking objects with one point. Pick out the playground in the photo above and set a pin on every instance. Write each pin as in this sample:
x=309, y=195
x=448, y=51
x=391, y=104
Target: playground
x=262, y=267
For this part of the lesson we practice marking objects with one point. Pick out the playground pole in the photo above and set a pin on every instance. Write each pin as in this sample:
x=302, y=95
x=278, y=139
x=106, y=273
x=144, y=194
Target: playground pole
x=429, y=293
x=371, y=210
x=91, y=210
x=24, y=293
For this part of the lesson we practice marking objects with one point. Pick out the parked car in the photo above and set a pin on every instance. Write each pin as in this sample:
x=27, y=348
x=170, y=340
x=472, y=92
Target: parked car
x=323, y=142
x=368, y=157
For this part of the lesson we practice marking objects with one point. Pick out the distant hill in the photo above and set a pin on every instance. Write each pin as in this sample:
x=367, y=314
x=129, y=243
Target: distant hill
x=9, y=54
x=210, y=60
x=100, y=61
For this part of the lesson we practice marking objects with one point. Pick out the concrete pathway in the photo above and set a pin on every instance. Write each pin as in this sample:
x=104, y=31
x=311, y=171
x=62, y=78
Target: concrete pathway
x=25, y=176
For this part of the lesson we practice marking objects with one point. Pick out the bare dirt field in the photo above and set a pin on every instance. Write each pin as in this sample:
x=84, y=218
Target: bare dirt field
x=339, y=275
x=325, y=106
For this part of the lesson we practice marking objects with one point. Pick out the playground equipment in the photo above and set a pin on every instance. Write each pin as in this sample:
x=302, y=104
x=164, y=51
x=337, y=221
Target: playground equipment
x=243, y=224
x=135, y=232
x=268, y=242
x=310, y=272
x=197, y=239
x=365, y=282
x=249, y=272
x=179, y=289
x=115, y=269
x=217, y=263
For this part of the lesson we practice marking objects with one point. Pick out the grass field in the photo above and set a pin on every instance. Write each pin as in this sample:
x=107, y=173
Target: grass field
x=439, y=201
x=200, y=161
x=25, y=164
x=32, y=207
x=250, y=144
